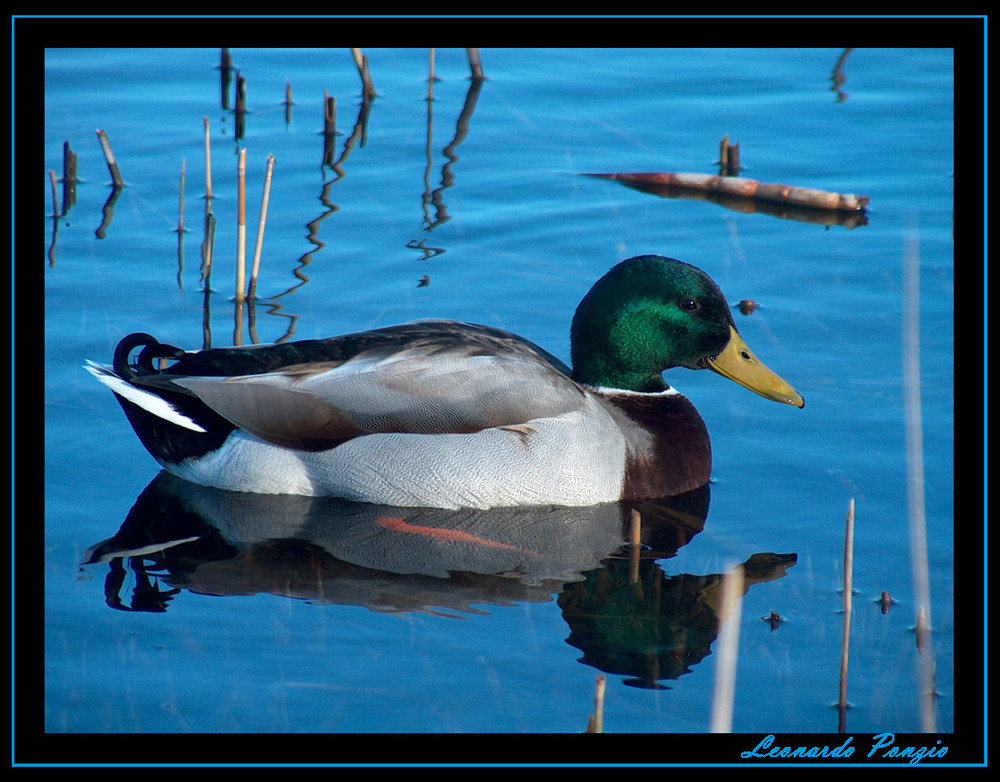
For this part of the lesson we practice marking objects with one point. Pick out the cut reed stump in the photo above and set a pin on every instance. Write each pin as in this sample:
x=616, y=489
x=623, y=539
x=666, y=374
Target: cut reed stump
x=69, y=178
x=595, y=722
x=729, y=158
x=225, y=76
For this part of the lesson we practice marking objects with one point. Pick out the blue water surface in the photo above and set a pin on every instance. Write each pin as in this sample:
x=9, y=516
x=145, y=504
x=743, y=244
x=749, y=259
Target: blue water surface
x=486, y=217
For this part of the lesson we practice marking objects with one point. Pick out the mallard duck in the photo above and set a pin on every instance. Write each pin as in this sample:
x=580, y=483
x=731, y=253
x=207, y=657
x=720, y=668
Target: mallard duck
x=445, y=414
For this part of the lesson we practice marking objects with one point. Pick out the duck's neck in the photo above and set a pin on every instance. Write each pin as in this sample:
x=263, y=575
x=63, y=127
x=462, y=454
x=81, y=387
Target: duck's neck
x=613, y=356
x=592, y=371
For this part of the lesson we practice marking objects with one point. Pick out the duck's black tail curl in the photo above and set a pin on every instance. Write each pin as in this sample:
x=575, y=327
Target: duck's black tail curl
x=126, y=369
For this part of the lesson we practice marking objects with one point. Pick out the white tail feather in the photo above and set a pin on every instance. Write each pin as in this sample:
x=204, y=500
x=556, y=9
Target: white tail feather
x=148, y=401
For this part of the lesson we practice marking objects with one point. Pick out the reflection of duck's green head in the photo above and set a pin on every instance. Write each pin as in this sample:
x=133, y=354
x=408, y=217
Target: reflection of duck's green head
x=651, y=313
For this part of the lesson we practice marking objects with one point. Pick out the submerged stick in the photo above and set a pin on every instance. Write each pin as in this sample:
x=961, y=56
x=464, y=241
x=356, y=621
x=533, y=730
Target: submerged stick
x=260, y=227
x=109, y=156
x=845, y=640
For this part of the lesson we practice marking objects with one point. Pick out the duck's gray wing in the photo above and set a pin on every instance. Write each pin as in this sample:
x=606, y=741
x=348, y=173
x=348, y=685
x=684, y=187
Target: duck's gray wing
x=454, y=381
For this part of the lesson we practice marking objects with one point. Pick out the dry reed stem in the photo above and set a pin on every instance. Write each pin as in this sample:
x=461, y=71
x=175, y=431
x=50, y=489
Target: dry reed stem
x=845, y=640
x=180, y=205
x=260, y=227
x=599, y=688
x=367, y=86
x=241, y=226
x=635, y=539
x=475, y=64
x=208, y=163
x=912, y=417
x=430, y=77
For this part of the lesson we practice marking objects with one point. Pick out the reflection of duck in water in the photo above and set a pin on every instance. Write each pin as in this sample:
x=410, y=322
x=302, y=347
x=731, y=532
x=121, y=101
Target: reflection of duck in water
x=446, y=414
x=180, y=537
x=385, y=558
x=654, y=626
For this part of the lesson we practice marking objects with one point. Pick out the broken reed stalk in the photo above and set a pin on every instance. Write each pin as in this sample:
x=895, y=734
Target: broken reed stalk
x=729, y=641
x=430, y=77
x=180, y=207
x=635, y=539
x=109, y=156
x=329, y=113
x=260, y=228
x=288, y=102
x=241, y=226
x=596, y=725
x=207, y=249
x=915, y=476
x=69, y=178
x=475, y=64
x=367, y=86
x=208, y=163
x=845, y=641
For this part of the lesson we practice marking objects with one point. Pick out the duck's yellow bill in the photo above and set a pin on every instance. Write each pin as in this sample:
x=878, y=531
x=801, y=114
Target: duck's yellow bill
x=739, y=364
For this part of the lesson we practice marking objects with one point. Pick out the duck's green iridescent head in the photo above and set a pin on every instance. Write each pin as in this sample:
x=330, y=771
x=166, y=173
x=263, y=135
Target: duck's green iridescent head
x=650, y=313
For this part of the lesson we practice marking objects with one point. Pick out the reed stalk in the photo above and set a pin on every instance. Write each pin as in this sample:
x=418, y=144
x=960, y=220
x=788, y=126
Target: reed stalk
x=475, y=64
x=180, y=205
x=845, y=641
x=635, y=541
x=367, y=86
x=260, y=227
x=55, y=197
x=208, y=163
x=241, y=227
x=596, y=722
x=109, y=156
x=730, y=612
x=912, y=417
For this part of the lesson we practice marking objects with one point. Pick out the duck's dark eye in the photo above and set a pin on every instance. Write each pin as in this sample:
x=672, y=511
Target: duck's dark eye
x=689, y=305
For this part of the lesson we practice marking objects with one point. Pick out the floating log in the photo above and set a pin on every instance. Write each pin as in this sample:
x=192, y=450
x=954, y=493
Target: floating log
x=746, y=188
